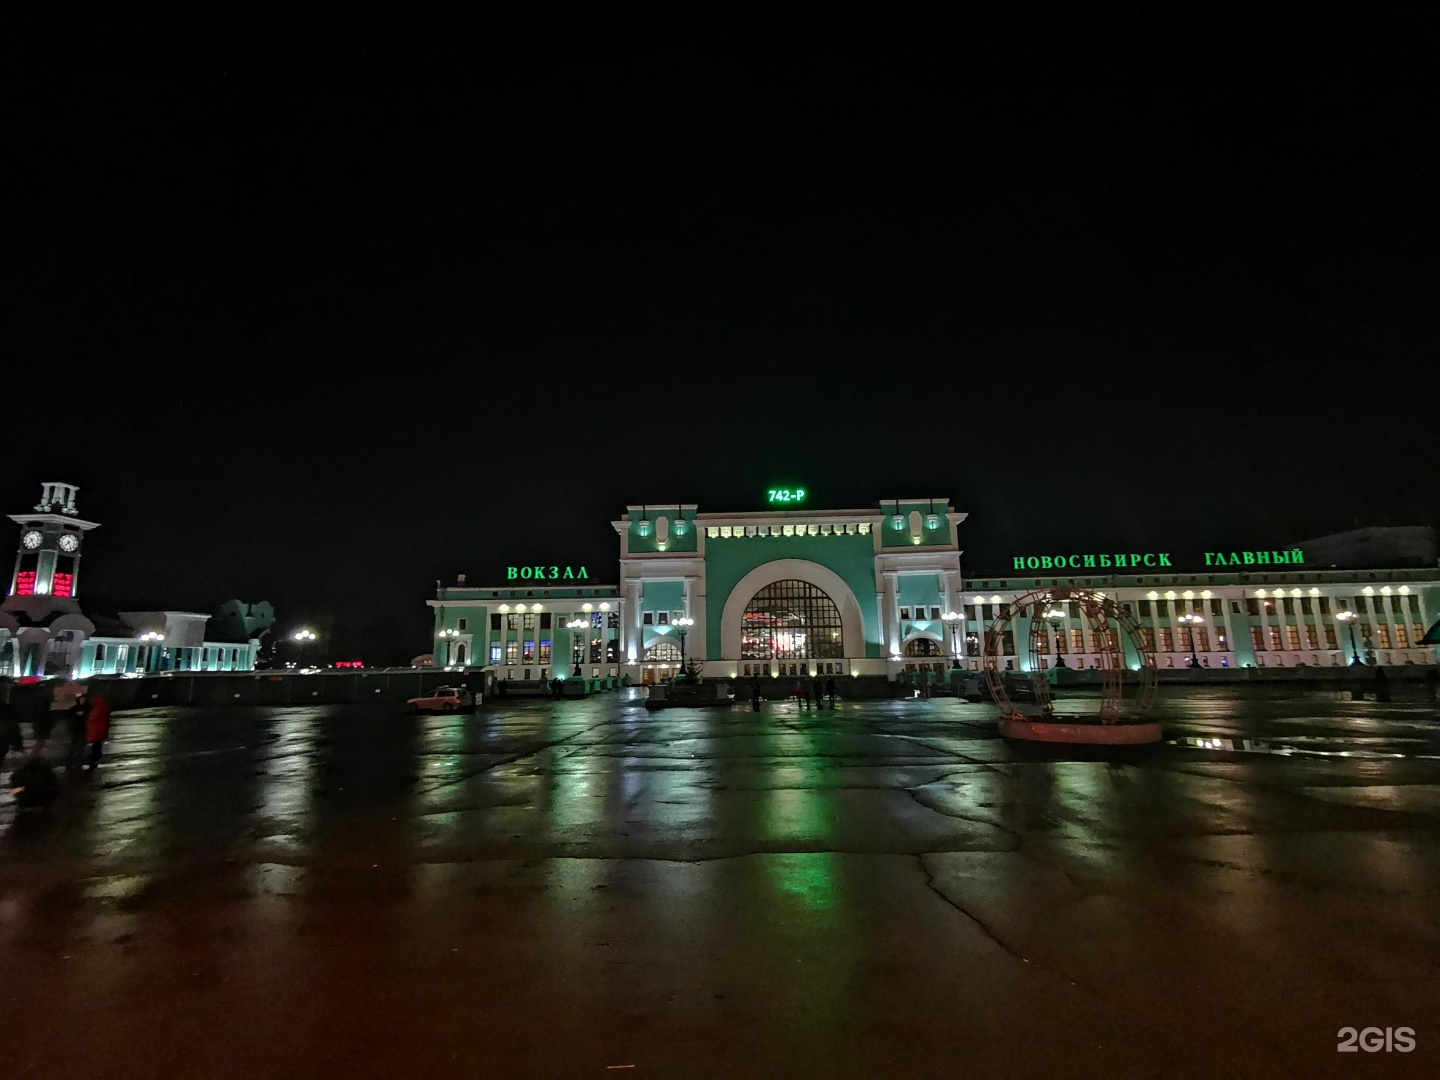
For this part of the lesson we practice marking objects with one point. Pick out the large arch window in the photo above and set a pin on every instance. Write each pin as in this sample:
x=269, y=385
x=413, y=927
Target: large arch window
x=663, y=652
x=923, y=646
x=791, y=620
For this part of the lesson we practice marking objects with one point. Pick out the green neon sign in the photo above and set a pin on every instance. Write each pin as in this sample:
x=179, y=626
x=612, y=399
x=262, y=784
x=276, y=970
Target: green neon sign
x=1155, y=560
x=785, y=495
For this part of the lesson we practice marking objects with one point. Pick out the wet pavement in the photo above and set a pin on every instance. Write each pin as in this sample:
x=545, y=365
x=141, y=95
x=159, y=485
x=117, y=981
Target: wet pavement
x=584, y=888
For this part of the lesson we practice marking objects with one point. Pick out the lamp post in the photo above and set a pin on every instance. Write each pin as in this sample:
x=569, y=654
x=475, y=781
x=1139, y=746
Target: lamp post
x=577, y=645
x=952, y=619
x=1192, y=621
x=1348, y=617
x=150, y=637
x=682, y=625
x=1056, y=618
x=302, y=638
x=448, y=635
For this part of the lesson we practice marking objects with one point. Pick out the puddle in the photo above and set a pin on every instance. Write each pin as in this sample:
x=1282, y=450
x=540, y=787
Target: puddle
x=1302, y=746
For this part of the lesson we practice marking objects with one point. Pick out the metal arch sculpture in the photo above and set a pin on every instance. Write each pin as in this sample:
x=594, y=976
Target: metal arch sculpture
x=1107, y=622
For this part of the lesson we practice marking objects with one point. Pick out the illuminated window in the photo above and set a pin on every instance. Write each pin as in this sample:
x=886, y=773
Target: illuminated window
x=496, y=650
x=1257, y=639
x=544, y=655
x=663, y=652
x=1419, y=633
x=1382, y=635
x=1330, y=642
x=529, y=653
x=529, y=621
x=1402, y=639
x=1275, y=644
x=1167, y=641
x=1292, y=637
x=1077, y=640
x=1312, y=637
x=512, y=622
x=923, y=646
x=791, y=620
x=512, y=652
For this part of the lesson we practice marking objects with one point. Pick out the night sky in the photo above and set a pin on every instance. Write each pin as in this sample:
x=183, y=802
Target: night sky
x=323, y=321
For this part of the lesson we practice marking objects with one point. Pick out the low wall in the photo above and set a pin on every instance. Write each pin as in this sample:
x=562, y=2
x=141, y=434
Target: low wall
x=279, y=688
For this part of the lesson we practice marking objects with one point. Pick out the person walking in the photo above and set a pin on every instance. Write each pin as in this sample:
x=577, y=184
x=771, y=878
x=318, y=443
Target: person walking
x=75, y=718
x=97, y=728
x=830, y=691
x=755, y=696
x=802, y=696
x=10, y=737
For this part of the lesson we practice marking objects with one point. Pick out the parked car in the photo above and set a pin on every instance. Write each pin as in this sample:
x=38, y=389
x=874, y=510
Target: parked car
x=444, y=699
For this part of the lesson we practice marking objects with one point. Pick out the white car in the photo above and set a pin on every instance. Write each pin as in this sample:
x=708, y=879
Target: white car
x=444, y=699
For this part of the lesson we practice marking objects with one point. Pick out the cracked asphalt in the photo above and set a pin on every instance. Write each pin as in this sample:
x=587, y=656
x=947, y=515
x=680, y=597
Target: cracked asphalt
x=586, y=888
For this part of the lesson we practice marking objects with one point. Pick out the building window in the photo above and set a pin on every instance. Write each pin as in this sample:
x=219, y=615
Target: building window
x=1147, y=635
x=512, y=622
x=597, y=620
x=1330, y=638
x=1324, y=605
x=529, y=621
x=647, y=619
x=545, y=620
x=1167, y=642
x=1145, y=607
x=1252, y=606
x=1077, y=641
x=663, y=618
x=923, y=646
x=1312, y=638
x=1292, y=635
x=788, y=620
x=1275, y=644
x=1305, y=605
x=1383, y=635
x=512, y=652
x=462, y=624
x=494, y=622
x=495, y=653
x=1257, y=639
x=1414, y=604
x=1217, y=607
x=1419, y=633
x=544, y=655
x=1402, y=639
x=934, y=613
x=904, y=613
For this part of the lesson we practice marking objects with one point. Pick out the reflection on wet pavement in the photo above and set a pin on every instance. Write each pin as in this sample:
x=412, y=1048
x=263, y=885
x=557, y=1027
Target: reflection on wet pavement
x=885, y=888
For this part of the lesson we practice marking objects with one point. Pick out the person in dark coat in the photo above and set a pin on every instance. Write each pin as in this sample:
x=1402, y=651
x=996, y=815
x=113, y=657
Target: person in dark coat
x=755, y=696
x=75, y=717
x=830, y=691
x=97, y=727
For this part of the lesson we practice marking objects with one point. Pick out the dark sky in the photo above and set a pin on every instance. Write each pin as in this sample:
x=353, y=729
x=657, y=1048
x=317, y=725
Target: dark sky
x=319, y=322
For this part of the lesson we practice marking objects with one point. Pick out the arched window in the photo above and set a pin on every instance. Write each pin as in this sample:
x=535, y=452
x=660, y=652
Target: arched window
x=663, y=652
x=923, y=646
x=791, y=620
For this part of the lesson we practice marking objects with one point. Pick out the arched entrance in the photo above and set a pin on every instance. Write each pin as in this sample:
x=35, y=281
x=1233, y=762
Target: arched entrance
x=662, y=661
x=924, y=654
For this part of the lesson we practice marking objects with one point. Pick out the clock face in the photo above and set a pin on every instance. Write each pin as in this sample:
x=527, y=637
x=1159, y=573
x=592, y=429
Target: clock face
x=32, y=539
x=69, y=542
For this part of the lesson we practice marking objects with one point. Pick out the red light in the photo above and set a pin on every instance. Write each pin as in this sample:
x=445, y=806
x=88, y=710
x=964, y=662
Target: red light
x=64, y=585
x=25, y=583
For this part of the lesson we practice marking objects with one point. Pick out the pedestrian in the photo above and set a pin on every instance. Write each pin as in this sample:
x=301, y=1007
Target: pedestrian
x=802, y=696
x=830, y=691
x=755, y=696
x=1382, y=685
x=10, y=737
x=97, y=727
x=812, y=688
x=75, y=717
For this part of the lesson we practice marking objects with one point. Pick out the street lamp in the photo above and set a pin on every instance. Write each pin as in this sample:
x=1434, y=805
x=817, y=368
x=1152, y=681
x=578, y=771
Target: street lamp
x=952, y=619
x=302, y=638
x=683, y=624
x=577, y=644
x=1192, y=621
x=1348, y=617
x=150, y=637
x=448, y=635
x=1055, y=616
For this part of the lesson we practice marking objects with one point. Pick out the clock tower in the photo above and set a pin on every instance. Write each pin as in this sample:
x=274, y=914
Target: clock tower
x=48, y=561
